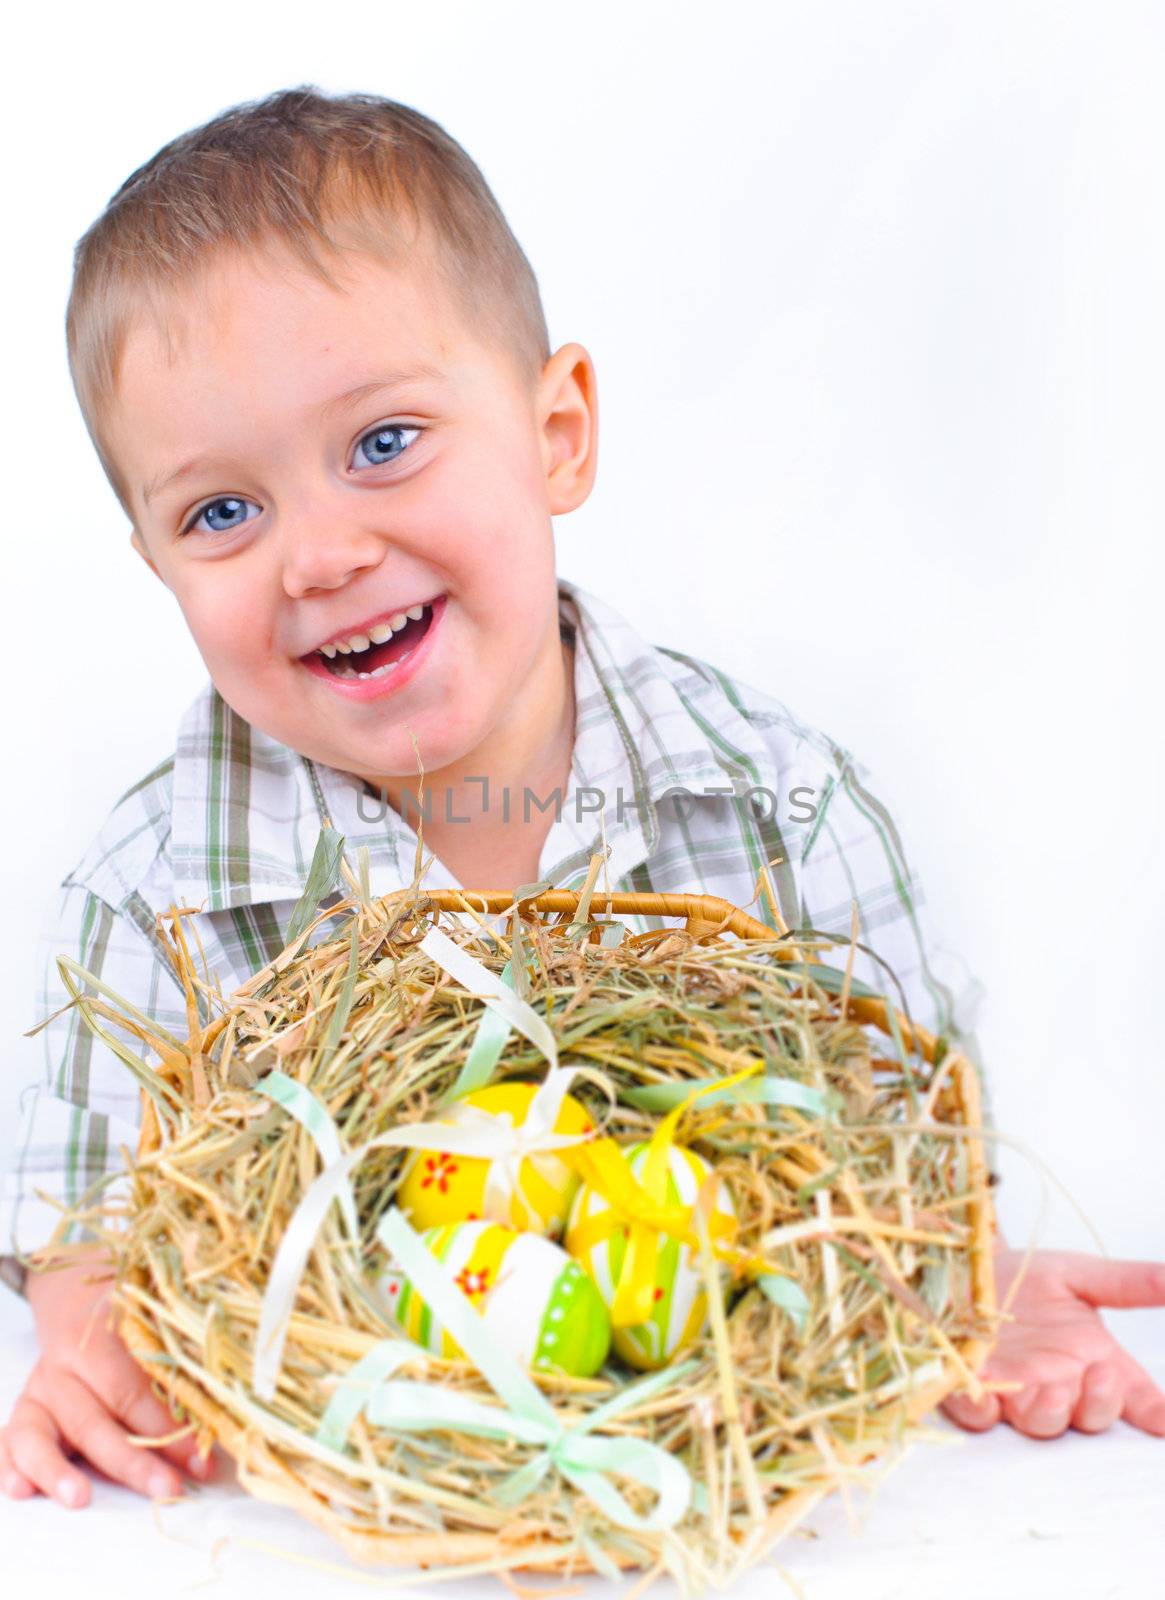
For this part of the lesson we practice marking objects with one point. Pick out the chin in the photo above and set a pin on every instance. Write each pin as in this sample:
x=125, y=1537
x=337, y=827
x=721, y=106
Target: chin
x=393, y=758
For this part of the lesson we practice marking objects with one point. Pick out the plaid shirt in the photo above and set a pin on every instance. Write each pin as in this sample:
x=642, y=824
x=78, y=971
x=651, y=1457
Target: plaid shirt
x=694, y=782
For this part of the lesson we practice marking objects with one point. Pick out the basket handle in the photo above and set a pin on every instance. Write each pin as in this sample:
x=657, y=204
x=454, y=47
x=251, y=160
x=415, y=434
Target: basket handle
x=702, y=913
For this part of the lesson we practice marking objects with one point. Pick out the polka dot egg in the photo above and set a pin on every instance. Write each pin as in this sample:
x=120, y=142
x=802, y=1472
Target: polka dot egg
x=679, y=1298
x=539, y=1302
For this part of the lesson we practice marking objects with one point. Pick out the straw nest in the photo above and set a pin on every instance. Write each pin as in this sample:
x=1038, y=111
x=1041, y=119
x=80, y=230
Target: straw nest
x=877, y=1214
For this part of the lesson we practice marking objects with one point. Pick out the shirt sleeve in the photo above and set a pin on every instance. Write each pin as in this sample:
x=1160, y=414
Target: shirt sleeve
x=852, y=851
x=85, y=1107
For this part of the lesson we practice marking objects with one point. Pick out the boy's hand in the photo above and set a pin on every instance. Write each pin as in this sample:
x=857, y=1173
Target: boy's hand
x=1071, y=1368
x=85, y=1395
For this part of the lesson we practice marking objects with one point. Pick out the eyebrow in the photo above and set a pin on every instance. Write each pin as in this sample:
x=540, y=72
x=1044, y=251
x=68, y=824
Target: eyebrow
x=396, y=380
x=339, y=403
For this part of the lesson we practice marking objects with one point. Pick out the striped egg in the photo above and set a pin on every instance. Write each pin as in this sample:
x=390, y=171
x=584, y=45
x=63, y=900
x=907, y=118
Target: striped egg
x=681, y=1303
x=439, y=1186
x=537, y=1301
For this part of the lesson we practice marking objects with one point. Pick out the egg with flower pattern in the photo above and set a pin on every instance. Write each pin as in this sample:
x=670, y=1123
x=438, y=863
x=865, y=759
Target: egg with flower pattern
x=679, y=1299
x=538, y=1302
x=441, y=1186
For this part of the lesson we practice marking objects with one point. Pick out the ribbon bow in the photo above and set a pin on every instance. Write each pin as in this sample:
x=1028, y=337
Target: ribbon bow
x=496, y=1137
x=642, y=1208
x=574, y=1451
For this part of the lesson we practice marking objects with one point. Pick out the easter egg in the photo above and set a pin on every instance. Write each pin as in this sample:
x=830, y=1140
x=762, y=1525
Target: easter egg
x=539, y=1302
x=441, y=1186
x=680, y=1302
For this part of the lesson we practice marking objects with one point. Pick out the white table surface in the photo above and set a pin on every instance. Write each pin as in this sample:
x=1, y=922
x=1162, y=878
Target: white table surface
x=993, y=1514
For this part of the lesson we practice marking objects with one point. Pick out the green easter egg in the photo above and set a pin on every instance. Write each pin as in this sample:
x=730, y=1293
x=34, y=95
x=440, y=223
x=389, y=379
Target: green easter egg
x=538, y=1302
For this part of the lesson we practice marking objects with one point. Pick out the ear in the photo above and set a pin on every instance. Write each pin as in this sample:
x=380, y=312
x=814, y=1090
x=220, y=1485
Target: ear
x=568, y=417
x=139, y=545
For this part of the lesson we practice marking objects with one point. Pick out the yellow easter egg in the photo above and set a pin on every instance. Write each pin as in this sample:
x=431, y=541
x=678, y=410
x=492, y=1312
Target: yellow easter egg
x=680, y=1302
x=539, y=1302
x=441, y=1186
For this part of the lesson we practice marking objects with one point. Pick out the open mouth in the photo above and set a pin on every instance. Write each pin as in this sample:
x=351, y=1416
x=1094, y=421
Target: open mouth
x=380, y=651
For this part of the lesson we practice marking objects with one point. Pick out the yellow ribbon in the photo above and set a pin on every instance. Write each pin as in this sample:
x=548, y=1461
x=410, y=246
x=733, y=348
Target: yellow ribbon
x=642, y=1208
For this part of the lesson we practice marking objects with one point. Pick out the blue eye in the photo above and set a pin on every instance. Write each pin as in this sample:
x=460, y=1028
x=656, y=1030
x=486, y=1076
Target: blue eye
x=223, y=514
x=384, y=444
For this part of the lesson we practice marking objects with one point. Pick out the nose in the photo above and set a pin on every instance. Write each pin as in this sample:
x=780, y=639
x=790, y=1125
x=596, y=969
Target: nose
x=323, y=547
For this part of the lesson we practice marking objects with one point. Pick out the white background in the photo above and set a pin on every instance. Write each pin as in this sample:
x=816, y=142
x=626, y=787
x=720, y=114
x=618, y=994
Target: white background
x=875, y=298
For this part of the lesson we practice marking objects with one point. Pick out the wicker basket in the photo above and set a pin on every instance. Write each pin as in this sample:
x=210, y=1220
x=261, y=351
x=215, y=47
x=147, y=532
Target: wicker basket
x=953, y=1097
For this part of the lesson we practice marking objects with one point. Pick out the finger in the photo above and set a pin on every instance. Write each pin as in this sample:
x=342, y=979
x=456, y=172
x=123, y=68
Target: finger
x=1102, y=1394
x=204, y=1464
x=13, y=1483
x=147, y=1417
x=35, y=1445
x=91, y=1429
x=1144, y=1405
x=1045, y=1413
x=1020, y=1378
x=1115, y=1283
x=974, y=1415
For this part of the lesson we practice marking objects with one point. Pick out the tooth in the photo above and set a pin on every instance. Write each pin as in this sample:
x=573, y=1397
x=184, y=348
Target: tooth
x=398, y=621
x=382, y=672
x=358, y=641
x=381, y=633
x=328, y=650
x=363, y=674
x=415, y=612
x=344, y=649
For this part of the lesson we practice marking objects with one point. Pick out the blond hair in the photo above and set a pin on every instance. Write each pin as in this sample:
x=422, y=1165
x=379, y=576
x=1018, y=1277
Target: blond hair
x=317, y=174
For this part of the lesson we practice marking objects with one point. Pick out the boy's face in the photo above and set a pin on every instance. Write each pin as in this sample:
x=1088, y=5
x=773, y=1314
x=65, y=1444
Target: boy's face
x=309, y=466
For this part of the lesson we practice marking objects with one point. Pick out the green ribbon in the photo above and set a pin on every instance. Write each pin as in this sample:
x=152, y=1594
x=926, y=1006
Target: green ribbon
x=788, y=1294
x=526, y=1414
x=311, y=1113
x=358, y=1383
x=499, y=996
x=493, y=1032
x=769, y=1089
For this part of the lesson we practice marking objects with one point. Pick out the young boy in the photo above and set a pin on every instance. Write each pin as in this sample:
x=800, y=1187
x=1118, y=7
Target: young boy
x=313, y=360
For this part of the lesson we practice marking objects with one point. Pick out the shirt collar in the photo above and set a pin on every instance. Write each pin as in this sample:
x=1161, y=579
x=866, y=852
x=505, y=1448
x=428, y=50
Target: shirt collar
x=246, y=809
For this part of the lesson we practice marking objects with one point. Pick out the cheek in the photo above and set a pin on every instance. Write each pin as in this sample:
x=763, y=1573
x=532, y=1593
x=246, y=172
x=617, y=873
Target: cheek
x=486, y=513
x=229, y=621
